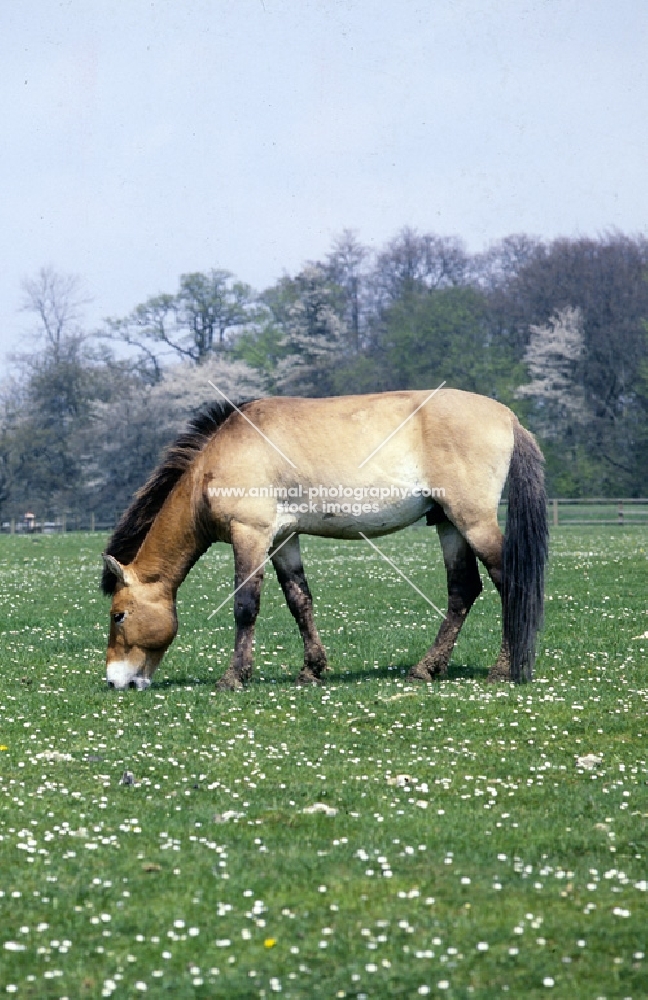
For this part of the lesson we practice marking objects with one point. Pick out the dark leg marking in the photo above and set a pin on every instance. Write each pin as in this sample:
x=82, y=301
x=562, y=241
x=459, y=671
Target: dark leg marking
x=290, y=573
x=464, y=587
x=488, y=545
x=246, y=608
x=501, y=670
x=250, y=549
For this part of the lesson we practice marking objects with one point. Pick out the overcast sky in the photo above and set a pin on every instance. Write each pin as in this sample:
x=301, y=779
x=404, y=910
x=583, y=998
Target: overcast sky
x=141, y=139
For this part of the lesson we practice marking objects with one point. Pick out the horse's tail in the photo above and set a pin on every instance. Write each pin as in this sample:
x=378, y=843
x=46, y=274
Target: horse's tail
x=526, y=544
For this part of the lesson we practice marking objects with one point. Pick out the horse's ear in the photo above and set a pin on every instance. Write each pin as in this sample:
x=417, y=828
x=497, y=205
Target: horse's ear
x=115, y=568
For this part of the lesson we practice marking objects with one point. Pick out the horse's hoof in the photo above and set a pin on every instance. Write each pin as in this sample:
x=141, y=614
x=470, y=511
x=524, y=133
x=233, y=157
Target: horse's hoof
x=307, y=677
x=426, y=674
x=419, y=673
x=229, y=682
x=498, y=677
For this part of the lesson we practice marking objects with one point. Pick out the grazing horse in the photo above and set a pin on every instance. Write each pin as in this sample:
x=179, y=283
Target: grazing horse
x=353, y=467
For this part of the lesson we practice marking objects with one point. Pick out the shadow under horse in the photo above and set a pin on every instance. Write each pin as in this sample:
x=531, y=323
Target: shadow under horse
x=356, y=467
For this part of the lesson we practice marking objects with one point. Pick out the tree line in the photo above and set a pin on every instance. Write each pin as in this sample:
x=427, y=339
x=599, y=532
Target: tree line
x=556, y=329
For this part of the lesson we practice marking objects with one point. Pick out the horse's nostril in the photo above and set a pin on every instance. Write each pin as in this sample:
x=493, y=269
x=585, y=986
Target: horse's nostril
x=111, y=684
x=132, y=684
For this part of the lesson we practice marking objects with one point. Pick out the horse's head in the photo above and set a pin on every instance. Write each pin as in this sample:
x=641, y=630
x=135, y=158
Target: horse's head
x=143, y=625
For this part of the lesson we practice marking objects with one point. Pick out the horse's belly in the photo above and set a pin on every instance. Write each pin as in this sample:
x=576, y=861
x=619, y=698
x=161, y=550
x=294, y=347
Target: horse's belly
x=352, y=518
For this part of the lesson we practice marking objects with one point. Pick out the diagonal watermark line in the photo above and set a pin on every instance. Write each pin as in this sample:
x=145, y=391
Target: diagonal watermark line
x=285, y=457
x=401, y=425
x=260, y=566
x=400, y=572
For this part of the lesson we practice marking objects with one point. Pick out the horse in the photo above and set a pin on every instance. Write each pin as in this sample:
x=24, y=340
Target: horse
x=261, y=474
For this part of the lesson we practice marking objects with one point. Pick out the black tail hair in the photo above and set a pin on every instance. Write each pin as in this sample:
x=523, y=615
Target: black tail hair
x=526, y=546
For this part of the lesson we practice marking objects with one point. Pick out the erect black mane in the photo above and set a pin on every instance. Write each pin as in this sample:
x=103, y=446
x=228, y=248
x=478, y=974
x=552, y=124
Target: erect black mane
x=135, y=522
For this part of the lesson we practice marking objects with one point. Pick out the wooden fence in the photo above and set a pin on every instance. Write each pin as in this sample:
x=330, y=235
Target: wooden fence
x=59, y=525
x=593, y=510
x=584, y=511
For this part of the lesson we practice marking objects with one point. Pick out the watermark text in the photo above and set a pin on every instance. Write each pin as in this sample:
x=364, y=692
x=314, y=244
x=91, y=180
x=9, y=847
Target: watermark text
x=337, y=499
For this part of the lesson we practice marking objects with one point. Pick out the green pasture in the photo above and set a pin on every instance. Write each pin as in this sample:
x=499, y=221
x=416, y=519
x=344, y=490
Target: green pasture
x=458, y=848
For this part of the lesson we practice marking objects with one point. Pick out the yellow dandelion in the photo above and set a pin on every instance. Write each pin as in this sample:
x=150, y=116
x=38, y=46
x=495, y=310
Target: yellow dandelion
x=3, y=747
x=269, y=942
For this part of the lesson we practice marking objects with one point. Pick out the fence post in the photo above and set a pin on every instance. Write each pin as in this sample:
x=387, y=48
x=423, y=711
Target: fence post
x=92, y=521
x=555, y=512
x=620, y=511
x=12, y=526
x=63, y=523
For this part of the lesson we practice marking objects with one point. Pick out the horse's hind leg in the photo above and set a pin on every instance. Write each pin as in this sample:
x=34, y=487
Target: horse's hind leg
x=486, y=539
x=250, y=551
x=290, y=573
x=464, y=587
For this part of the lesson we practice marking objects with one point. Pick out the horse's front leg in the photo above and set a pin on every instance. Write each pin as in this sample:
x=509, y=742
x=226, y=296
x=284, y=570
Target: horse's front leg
x=250, y=552
x=290, y=573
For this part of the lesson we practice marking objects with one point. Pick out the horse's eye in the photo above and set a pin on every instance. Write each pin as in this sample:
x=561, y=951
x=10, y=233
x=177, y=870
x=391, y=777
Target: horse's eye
x=119, y=617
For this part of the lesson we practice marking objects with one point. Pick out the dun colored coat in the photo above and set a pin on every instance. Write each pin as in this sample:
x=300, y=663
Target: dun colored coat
x=353, y=467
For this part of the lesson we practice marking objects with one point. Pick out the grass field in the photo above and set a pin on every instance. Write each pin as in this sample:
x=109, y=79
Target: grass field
x=469, y=855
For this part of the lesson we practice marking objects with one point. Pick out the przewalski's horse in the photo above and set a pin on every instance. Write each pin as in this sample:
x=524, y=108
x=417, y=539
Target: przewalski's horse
x=260, y=476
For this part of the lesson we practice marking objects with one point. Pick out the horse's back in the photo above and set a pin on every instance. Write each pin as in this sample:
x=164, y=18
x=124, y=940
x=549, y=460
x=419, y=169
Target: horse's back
x=396, y=454
x=364, y=422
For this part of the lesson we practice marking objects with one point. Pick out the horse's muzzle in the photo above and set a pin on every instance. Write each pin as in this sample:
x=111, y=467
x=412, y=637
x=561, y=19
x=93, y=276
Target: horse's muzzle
x=120, y=677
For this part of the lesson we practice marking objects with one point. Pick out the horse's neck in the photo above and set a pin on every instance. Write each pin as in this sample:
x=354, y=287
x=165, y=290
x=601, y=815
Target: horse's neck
x=173, y=543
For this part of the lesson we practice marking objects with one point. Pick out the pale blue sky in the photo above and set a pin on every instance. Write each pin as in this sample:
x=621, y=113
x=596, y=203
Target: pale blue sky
x=144, y=139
